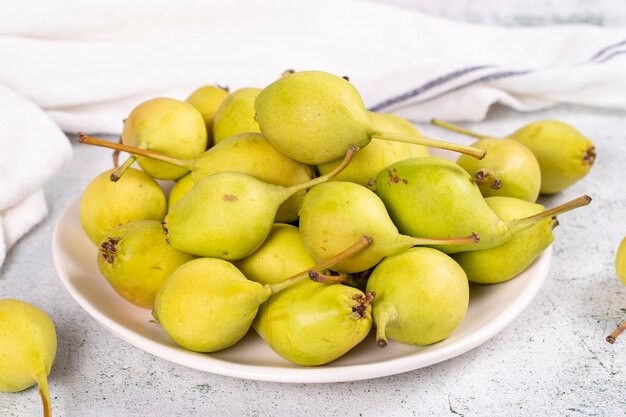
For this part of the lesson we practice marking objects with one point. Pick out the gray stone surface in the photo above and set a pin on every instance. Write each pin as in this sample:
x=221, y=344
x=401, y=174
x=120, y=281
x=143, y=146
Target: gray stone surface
x=552, y=360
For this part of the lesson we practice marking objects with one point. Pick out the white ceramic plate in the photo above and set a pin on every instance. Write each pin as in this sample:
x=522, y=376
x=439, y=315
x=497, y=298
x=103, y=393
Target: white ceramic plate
x=491, y=309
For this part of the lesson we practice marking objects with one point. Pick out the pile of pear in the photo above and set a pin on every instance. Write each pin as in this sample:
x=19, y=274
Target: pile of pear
x=300, y=214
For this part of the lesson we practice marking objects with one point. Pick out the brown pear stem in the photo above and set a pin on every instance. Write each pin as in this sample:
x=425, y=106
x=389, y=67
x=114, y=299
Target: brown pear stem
x=289, y=191
x=521, y=224
x=327, y=279
x=466, y=240
x=457, y=129
x=425, y=141
x=621, y=328
x=356, y=247
x=89, y=140
x=486, y=176
x=121, y=170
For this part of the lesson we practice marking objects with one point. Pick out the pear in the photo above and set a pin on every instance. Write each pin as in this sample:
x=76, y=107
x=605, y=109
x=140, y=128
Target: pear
x=207, y=304
x=564, y=154
x=249, y=153
x=164, y=125
x=135, y=258
x=421, y=297
x=509, y=169
x=312, y=324
x=281, y=255
x=313, y=117
x=501, y=263
x=236, y=115
x=336, y=213
x=207, y=99
x=435, y=197
x=228, y=215
x=620, y=270
x=379, y=153
x=178, y=191
x=28, y=345
x=106, y=204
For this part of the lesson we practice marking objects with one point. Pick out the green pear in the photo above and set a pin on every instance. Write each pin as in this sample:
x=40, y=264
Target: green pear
x=421, y=297
x=135, y=258
x=336, y=213
x=106, y=204
x=178, y=191
x=228, y=215
x=435, y=197
x=282, y=254
x=236, y=115
x=164, y=125
x=508, y=170
x=564, y=154
x=313, y=117
x=207, y=304
x=501, y=263
x=249, y=153
x=207, y=99
x=379, y=153
x=28, y=345
x=313, y=324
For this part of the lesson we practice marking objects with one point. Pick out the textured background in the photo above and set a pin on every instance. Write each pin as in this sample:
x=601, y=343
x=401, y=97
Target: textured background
x=552, y=360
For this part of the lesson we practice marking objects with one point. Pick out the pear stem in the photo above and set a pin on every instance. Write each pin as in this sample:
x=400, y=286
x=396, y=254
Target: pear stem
x=433, y=143
x=486, y=176
x=420, y=241
x=44, y=392
x=327, y=279
x=359, y=245
x=521, y=224
x=457, y=129
x=89, y=140
x=289, y=191
x=121, y=170
x=611, y=338
x=386, y=313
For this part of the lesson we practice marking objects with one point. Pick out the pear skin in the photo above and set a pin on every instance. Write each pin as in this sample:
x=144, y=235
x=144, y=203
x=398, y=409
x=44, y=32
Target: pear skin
x=178, y=191
x=421, y=297
x=312, y=324
x=106, y=204
x=378, y=153
x=506, y=261
x=620, y=261
x=28, y=346
x=207, y=304
x=207, y=99
x=165, y=125
x=236, y=115
x=508, y=170
x=564, y=154
x=135, y=258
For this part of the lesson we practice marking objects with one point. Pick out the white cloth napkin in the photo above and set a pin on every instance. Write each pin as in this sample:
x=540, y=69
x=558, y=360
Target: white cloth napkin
x=87, y=66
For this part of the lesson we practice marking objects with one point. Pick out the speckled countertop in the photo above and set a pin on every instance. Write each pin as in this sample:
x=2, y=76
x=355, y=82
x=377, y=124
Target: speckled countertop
x=552, y=360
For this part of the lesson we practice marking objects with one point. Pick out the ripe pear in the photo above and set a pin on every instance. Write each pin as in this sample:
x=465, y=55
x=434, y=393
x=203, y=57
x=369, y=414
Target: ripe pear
x=313, y=324
x=435, y=197
x=421, y=297
x=207, y=99
x=249, y=153
x=282, y=254
x=178, y=191
x=236, y=115
x=164, y=125
x=508, y=170
x=620, y=270
x=379, y=153
x=313, y=117
x=228, y=215
x=135, y=258
x=564, y=154
x=106, y=204
x=336, y=213
x=207, y=304
x=28, y=345
x=506, y=261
